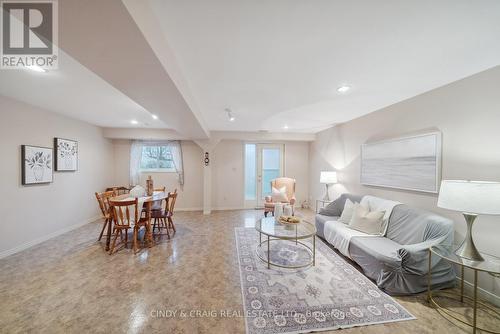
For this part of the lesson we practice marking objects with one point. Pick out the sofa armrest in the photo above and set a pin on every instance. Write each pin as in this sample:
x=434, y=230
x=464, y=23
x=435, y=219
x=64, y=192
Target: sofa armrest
x=415, y=257
x=269, y=199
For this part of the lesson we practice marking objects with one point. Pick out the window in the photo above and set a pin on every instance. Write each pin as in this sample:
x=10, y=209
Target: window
x=157, y=158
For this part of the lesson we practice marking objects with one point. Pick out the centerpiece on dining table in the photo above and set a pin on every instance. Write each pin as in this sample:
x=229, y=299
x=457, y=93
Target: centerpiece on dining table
x=149, y=186
x=139, y=191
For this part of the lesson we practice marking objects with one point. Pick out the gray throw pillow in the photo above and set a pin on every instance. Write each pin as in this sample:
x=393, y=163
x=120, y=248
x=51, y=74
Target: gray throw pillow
x=335, y=208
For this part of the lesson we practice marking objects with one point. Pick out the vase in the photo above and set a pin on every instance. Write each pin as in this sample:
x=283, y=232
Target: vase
x=68, y=162
x=38, y=173
x=278, y=210
x=287, y=210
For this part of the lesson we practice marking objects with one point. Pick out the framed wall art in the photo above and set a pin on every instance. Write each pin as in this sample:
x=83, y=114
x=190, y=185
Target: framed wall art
x=410, y=163
x=66, y=155
x=36, y=165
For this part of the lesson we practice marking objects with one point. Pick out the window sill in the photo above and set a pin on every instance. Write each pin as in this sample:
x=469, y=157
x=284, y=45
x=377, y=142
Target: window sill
x=145, y=171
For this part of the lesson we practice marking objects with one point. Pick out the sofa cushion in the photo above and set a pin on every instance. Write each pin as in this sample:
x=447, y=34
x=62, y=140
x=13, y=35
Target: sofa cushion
x=380, y=204
x=372, y=251
x=279, y=195
x=346, y=215
x=409, y=225
x=336, y=207
x=363, y=220
x=320, y=221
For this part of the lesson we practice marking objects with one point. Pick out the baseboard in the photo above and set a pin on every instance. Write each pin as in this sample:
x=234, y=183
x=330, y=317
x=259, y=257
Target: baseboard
x=189, y=209
x=483, y=294
x=223, y=208
x=37, y=241
x=228, y=208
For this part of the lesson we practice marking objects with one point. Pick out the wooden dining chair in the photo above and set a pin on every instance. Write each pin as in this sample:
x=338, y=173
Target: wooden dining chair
x=121, y=190
x=163, y=218
x=125, y=220
x=157, y=204
x=103, y=200
x=172, y=198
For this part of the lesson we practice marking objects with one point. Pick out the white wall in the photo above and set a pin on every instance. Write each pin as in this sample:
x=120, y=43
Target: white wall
x=467, y=112
x=33, y=213
x=297, y=167
x=227, y=173
x=190, y=195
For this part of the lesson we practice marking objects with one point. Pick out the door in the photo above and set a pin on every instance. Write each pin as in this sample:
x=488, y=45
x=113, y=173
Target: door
x=263, y=163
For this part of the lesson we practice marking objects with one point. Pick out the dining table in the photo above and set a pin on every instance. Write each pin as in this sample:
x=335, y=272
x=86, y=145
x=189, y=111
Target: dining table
x=148, y=201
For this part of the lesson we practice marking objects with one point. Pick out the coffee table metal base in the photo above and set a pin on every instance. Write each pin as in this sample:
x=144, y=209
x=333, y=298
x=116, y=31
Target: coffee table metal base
x=267, y=242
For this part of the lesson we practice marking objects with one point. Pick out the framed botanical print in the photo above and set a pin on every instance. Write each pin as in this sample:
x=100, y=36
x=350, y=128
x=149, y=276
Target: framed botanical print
x=36, y=164
x=66, y=154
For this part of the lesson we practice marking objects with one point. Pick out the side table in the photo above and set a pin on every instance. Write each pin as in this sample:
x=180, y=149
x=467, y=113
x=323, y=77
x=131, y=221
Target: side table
x=491, y=265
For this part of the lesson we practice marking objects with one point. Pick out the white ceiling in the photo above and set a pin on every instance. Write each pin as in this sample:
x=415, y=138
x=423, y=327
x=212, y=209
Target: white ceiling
x=77, y=92
x=272, y=62
x=280, y=62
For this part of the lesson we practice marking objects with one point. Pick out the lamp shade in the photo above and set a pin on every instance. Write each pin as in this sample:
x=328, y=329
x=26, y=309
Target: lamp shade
x=475, y=197
x=328, y=177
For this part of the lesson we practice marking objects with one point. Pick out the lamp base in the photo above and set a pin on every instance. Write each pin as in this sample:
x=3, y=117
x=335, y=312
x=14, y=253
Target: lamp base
x=468, y=250
x=326, y=198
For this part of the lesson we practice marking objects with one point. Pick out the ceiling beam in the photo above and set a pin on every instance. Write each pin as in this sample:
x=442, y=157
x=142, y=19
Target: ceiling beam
x=103, y=37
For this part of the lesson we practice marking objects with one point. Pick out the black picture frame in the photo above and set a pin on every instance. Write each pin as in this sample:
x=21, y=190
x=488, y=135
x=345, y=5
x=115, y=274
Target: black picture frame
x=58, y=161
x=26, y=177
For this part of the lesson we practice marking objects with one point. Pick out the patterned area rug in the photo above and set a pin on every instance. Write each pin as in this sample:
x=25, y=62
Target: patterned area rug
x=330, y=295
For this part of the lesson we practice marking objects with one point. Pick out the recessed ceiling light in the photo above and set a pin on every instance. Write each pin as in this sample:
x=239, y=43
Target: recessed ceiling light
x=230, y=115
x=285, y=127
x=134, y=122
x=343, y=89
x=154, y=116
x=36, y=68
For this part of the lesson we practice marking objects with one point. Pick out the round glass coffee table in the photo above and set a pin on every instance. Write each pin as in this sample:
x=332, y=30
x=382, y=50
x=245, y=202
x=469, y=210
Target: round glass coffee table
x=274, y=230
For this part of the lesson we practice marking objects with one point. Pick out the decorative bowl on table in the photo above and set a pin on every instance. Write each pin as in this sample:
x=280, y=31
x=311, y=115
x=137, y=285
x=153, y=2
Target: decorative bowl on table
x=289, y=220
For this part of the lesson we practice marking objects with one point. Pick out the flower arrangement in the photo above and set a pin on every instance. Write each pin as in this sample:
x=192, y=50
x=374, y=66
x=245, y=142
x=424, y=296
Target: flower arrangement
x=38, y=162
x=65, y=149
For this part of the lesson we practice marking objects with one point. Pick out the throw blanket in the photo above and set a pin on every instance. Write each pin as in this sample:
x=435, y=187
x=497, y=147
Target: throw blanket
x=339, y=234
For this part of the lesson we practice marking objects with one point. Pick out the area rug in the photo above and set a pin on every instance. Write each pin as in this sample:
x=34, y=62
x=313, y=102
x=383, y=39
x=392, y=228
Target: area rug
x=330, y=295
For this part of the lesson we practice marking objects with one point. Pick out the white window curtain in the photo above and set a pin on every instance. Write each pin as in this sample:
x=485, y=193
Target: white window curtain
x=136, y=153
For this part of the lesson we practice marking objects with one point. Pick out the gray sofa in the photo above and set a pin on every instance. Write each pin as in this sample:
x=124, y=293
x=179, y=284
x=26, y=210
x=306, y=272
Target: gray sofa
x=398, y=262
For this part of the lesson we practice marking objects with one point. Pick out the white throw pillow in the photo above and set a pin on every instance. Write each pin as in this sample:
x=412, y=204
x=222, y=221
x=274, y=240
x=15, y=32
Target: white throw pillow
x=279, y=195
x=363, y=220
x=346, y=215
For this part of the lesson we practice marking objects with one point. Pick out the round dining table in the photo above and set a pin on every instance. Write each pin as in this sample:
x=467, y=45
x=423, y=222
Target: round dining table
x=158, y=196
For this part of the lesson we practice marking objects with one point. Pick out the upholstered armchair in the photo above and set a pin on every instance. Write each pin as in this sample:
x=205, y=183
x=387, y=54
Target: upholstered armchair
x=279, y=183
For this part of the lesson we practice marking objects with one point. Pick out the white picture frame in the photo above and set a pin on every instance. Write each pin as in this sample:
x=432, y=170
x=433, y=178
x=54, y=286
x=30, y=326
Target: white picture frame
x=407, y=163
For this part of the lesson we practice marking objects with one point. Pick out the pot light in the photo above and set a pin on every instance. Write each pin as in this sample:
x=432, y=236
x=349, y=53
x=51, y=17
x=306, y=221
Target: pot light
x=134, y=122
x=285, y=127
x=230, y=115
x=343, y=89
x=36, y=68
x=154, y=116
